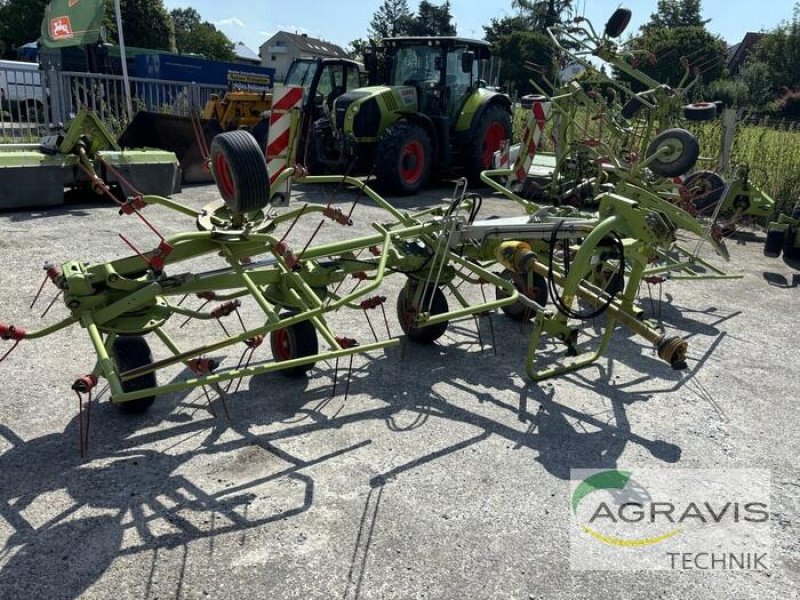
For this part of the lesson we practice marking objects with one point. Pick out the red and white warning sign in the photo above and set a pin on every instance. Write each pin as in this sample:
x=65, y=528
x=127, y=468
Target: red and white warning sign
x=531, y=136
x=60, y=28
x=282, y=132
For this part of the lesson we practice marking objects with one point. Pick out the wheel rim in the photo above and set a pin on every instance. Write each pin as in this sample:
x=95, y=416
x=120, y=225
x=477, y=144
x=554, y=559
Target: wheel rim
x=412, y=162
x=495, y=135
x=223, y=176
x=283, y=345
x=674, y=151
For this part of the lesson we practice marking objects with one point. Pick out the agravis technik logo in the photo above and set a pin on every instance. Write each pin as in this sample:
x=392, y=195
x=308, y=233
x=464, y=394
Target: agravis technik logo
x=670, y=518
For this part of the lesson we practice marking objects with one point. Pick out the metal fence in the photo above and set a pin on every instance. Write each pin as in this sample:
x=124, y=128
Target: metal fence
x=35, y=102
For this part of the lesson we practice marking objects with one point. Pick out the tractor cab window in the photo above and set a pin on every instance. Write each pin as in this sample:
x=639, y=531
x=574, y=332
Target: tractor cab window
x=457, y=84
x=420, y=66
x=301, y=73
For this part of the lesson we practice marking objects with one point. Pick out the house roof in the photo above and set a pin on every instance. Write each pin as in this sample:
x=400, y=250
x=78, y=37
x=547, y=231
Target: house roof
x=738, y=52
x=243, y=52
x=310, y=45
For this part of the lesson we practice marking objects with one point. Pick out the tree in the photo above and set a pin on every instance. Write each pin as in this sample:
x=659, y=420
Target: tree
x=542, y=14
x=779, y=53
x=525, y=56
x=20, y=22
x=497, y=28
x=194, y=36
x=392, y=18
x=676, y=13
x=147, y=24
x=432, y=20
x=676, y=31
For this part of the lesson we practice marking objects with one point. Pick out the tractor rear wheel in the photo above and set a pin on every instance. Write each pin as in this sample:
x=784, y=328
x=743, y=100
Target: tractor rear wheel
x=403, y=158
x=131, y=352
x=240, y=170
x=492, y=129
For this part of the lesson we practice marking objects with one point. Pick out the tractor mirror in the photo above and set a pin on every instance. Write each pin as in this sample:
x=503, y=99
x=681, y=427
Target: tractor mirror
x=371, y=64
x=618, y=22
x=467, y=60
x=437, y=63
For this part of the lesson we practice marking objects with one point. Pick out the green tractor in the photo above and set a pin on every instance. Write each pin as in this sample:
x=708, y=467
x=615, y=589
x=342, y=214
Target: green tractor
x=432, y=115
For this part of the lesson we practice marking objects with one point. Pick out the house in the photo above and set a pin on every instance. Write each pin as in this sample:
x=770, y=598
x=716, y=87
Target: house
x=244, y=55
x=738, y=53
x=281, y=49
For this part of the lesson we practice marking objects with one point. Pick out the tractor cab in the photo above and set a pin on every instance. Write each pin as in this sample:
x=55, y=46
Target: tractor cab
x=442, y=70
x=324, y=80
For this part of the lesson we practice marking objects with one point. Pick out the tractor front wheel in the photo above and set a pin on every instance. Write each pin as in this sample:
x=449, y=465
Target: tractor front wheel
x=492, y=129
x=403, y=158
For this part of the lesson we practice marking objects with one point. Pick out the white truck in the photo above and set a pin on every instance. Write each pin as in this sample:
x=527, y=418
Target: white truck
x=21, y=92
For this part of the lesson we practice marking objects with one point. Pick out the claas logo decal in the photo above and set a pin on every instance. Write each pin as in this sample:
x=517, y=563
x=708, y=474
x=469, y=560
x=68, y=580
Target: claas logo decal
x=60, y=28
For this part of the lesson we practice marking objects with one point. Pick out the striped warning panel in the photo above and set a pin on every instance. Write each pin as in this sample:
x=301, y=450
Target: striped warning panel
x=531, y=136
x=280, y=144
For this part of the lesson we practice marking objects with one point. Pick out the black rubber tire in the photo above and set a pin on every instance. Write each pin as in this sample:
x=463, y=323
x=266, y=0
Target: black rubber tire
x=774, y=243
x=294, y=341
x=131, y=352
x=706, y=187
x=632, y=107
x=240, y=170
x=700, y=111
x=684, y=155
x=438, y=303
x=610, y=285
x=528, y=100
x=393, y=156
x=790, y=251
x=518, y=311
x=486, y=141
x=796, y=211
x=618, y=22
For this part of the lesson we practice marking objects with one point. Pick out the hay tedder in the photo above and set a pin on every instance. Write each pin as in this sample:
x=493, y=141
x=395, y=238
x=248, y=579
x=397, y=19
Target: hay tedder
x=606, y=137
x=549, y=253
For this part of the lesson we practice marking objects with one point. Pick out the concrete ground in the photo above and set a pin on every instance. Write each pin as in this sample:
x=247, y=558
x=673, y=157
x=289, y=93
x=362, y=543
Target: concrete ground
x=444, y=473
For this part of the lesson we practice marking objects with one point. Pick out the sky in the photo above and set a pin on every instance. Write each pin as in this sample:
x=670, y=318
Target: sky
x=340, y=21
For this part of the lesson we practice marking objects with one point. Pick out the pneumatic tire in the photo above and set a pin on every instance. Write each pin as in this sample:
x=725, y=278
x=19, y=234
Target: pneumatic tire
x=403, y=158
x=131, y=352
x=240, y=170
x=493, y=128
x=683, y=150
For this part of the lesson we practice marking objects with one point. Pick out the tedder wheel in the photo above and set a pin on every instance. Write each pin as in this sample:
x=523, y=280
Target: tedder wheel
x=406, y=312
x=132, y=352
x=294, y=341
x=700, y=111
x=403, y=158
x=492, y=129
x=706, y=189
x=791, y=251
x=537, y=292
x=774, y=243
x=682, y=151
x=632, y=107
x=240, y=171
x=611, y=282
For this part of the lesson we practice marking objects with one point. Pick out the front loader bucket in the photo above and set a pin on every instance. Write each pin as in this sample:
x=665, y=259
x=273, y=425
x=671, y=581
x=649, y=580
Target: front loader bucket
x=175, y=134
